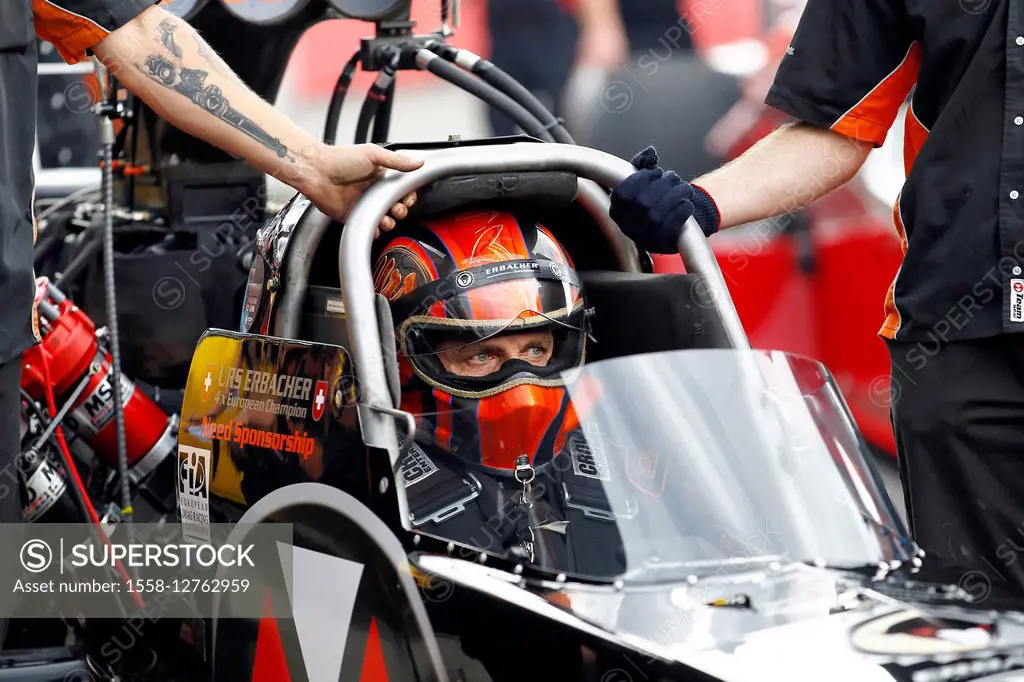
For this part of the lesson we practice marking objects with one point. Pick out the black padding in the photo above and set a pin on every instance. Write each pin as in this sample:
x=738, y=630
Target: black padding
x=323, y=316
x=636, y=313
x=541, y=190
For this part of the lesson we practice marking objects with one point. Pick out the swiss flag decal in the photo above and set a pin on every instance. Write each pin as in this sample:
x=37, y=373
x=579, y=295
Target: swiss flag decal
x=319, y=400
x=207, y=382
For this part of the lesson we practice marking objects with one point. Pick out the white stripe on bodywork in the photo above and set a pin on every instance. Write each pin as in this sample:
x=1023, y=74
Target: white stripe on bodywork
x=322, y=590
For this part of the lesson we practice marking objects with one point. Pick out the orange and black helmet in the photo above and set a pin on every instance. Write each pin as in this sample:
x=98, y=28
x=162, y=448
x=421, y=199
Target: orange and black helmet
x=470, y=277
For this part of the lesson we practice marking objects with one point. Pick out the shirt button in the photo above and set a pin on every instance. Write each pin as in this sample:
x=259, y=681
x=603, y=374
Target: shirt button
x=1016, y=269
x=1019, y=120
x=1020, y=40
x=1014, y=194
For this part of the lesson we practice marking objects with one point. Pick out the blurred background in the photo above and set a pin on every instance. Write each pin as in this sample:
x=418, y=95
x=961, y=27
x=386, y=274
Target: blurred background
x=688, y=76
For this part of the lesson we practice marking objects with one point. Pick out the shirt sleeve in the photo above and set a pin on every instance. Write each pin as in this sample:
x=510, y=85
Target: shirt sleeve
x=76, y=26
x=849, y=67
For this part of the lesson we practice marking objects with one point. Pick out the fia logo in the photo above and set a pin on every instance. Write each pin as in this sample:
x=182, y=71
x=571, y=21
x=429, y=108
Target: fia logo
x=319, y=400
x=192, y=471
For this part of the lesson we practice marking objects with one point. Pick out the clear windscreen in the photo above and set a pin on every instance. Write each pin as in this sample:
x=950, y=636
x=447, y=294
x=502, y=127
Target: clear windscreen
x=678, y=464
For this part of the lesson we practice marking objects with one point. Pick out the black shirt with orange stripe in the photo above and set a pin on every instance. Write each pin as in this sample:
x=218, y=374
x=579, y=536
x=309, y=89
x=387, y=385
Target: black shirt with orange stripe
x=74, y=27
x=960, y=213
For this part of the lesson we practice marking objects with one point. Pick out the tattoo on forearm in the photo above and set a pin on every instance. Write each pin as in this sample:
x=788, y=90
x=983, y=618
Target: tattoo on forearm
x=191, y=83
x=167, y=28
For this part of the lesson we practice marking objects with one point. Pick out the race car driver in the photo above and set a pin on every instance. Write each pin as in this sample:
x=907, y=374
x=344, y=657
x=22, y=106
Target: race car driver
x=165, y=62
x=488, y=314
x=955, y=310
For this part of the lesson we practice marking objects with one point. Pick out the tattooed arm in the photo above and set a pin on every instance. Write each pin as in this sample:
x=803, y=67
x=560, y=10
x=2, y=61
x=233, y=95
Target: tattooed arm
x=164, y=61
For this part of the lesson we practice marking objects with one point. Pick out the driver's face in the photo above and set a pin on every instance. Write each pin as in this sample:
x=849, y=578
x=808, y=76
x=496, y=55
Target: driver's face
x=481, y=358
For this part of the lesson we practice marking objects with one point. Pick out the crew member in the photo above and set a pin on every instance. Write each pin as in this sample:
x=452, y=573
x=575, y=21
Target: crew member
x=537, y=42
x=489, y=313
x=955, y=310
x=165, y=62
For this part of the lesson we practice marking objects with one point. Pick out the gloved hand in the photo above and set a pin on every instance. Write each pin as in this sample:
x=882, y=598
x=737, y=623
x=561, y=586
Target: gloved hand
x=651, y=205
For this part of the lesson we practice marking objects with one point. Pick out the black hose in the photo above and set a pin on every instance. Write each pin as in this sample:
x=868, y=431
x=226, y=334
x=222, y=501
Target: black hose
x=367, y=114
x=376, y=96
x=31, y=404
x=81, y=261
x=510, y=86
x=338, y=98
x=382, y=121
x=428, y=61
x=492, y=75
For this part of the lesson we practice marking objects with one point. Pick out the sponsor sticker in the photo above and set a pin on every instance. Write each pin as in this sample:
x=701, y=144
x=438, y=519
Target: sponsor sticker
x=588, y=459
x=518, y=266
x=253, y=293
x=97, y=409
x=335, y=306
x=416, y=466
x=44, y=488
x=1017, y=300
x=647, y=466
x=194, y=492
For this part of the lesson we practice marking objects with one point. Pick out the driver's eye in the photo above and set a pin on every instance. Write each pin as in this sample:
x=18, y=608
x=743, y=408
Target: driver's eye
x=535, y=351
x=480, y=358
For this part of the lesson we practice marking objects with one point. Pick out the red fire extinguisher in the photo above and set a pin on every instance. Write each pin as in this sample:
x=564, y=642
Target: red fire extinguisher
x=79, y=370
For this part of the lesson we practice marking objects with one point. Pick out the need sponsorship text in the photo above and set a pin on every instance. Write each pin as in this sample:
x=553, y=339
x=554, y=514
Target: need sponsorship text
x=244, y=436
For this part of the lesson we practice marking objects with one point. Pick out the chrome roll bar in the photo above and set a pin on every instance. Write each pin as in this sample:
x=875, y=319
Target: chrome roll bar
x=356, y=271
x=314, y=225
x=295, y=274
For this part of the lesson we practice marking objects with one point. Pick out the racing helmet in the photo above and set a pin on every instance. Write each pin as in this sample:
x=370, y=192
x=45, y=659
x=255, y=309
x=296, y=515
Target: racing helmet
x=489, y=314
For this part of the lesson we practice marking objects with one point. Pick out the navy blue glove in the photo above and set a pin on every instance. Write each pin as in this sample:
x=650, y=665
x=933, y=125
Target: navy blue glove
x=651, y=205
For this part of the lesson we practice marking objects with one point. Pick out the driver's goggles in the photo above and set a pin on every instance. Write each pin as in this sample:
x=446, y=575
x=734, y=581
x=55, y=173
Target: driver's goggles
x=489, y=310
